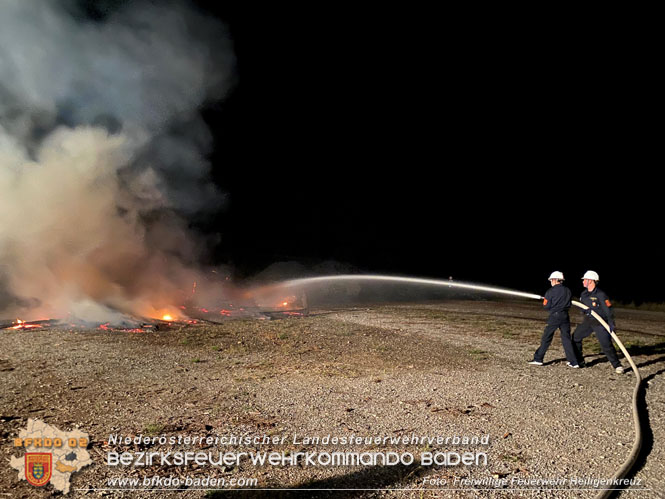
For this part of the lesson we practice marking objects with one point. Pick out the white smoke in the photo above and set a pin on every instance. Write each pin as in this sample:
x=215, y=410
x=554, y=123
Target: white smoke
x=102, y=153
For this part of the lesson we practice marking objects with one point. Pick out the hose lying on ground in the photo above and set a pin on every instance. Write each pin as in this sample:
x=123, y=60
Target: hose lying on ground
x=637, y=444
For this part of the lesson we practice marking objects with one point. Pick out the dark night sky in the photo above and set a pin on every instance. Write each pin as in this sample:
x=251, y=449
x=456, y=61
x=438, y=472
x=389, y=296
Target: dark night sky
x=463, y=143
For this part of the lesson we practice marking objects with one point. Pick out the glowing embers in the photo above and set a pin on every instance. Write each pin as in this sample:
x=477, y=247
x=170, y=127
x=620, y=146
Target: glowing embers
x=128, y=325
x=145, y=325
x=144, y=328
x=257, y=303
x=280, y=305
x=19, y=324
x=249, y=306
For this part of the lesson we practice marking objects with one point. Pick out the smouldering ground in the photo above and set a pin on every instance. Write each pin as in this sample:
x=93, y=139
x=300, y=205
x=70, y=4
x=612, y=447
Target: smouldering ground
x=446, y=369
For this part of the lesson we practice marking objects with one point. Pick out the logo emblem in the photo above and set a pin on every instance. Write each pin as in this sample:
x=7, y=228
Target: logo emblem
x=38, y=468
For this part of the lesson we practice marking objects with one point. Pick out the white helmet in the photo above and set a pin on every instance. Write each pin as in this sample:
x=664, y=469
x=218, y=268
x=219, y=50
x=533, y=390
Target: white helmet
x=590, y=274
x=556, y=275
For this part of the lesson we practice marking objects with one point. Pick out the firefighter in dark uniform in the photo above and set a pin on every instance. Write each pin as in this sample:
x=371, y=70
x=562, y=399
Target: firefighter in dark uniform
x=597, y=301
x=557, y=301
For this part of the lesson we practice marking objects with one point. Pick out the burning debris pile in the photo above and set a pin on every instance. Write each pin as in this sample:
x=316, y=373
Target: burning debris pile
x=75, y=324
x=103, y=161
x=258, y=303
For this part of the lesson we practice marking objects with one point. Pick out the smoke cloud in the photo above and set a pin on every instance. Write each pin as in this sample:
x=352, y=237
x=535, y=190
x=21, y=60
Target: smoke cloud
x=102, y=154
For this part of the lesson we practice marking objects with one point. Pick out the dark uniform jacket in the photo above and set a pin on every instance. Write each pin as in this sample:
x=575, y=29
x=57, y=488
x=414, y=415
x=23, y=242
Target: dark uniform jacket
x=557, y=299
x=598, y=301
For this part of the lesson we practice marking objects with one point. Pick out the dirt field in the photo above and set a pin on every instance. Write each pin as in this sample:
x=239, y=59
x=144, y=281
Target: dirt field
x=417, y=371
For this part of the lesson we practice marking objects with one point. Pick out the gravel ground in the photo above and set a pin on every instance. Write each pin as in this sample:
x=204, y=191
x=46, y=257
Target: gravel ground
x=450, y=369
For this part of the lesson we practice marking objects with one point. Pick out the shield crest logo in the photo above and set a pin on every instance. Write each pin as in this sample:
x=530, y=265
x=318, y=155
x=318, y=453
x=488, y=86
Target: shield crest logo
x=38, y=468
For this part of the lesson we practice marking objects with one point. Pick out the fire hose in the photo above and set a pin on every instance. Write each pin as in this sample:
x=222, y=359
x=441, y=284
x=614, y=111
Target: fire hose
x=637, y=444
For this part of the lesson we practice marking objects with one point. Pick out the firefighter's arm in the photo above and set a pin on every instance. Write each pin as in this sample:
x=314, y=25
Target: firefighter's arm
x=606, y=306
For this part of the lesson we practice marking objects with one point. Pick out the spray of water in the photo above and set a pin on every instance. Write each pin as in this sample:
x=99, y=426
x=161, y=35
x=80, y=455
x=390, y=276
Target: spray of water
x=303, y=282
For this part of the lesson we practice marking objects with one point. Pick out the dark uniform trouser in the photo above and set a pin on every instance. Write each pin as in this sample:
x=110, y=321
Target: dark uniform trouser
x=588, y=326
x=557, y=320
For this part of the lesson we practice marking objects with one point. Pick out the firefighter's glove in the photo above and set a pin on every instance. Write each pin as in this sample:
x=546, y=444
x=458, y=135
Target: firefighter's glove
x=588, y=312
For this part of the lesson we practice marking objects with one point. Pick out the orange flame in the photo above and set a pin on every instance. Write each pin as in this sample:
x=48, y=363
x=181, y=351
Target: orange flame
x=20, y=324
